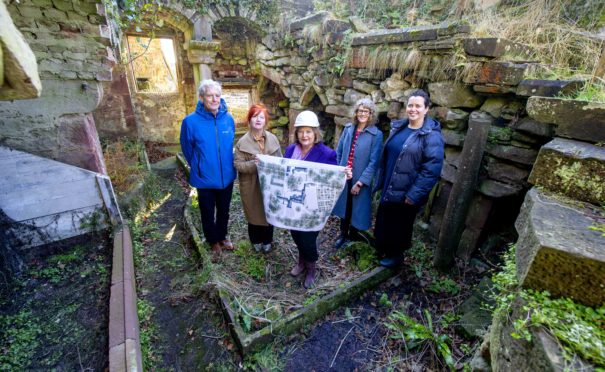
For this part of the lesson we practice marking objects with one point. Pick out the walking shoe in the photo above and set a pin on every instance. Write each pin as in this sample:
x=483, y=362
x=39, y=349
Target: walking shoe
x=267, y=247
x=310, y=278
x=227, y=244
x=299, y=268
x=215, y=247
x=391, y=262
x=341, y=242
x=258, y=247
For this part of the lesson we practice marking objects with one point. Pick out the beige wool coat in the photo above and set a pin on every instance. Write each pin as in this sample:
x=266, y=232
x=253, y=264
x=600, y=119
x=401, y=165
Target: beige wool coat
x=245, y=151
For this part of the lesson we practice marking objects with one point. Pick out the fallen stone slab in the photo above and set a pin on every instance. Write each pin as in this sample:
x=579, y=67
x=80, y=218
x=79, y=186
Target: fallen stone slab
x=494, y=47
x=557, y=251
x=410, y=34
x=575, y=169
x=548, y=88
x=581, y=120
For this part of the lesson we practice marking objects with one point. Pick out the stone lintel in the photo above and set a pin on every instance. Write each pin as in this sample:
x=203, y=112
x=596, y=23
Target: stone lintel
x=410, y=34
x=581, y=120
x=557, y=251
x=575, y=169
x=493, y=47
x=548, y=88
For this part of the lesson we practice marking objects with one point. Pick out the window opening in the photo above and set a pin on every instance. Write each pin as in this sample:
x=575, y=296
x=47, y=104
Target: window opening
x=238, y=103
x=153, y=63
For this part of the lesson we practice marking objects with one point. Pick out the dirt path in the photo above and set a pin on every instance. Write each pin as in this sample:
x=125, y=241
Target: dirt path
x=187, y=332
x=184, y=327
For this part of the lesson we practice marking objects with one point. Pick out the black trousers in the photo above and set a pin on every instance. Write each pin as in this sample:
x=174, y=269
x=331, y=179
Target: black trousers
x=306, y=242
x=214, y=211
x=393, y=228
x=346, y=229
x=260, y=234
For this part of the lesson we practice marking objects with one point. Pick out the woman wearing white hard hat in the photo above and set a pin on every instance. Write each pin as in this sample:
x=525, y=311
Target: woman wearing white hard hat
x=308, y=146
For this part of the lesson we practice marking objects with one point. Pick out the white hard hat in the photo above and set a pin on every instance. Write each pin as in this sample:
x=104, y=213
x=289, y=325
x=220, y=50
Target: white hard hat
x=306, y=119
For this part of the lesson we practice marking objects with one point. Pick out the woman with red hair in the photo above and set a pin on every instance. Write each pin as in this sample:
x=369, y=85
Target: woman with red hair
x=256, y=141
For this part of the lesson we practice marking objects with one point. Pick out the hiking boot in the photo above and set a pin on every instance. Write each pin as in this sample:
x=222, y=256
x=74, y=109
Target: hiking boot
x=391, y=262
x=341, y=241
x=215, y=247
x=310, y=278
x=227, y=244
x=299, y=268
x=258, y=247
x=267, y=247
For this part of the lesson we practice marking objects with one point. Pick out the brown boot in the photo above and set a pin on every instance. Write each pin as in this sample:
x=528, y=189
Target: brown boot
x=299, y=268
x=310, y=278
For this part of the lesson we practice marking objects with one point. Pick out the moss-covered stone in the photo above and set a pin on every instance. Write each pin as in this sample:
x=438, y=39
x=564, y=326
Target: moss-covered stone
x=557, y=250
x=572, y=168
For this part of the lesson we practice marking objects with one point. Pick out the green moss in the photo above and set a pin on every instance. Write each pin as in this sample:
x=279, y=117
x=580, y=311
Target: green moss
x=578, y=328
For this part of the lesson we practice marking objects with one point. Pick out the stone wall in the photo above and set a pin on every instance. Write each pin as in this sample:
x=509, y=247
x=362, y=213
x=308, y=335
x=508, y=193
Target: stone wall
x=463, y=75
x=71, y=42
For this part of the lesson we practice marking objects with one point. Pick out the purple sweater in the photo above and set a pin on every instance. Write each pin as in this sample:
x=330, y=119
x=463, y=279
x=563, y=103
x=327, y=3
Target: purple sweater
x=320, y=153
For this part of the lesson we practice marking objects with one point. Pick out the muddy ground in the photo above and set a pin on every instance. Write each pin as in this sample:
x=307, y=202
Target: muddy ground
x=189, y=333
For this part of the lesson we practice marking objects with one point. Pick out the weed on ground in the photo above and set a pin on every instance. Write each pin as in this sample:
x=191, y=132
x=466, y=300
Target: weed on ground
x=56, y=314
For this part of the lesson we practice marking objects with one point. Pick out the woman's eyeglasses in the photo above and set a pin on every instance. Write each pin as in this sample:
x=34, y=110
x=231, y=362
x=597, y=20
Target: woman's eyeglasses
x=362, y=111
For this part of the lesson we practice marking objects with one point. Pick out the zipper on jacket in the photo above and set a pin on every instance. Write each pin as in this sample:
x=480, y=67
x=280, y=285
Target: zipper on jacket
x=218, y=146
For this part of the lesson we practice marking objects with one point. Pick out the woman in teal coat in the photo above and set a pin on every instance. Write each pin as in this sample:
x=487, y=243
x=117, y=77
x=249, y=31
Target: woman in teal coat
x=359, y=148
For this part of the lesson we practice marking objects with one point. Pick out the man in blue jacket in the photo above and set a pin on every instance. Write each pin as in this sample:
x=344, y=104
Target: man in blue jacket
x=207, y=143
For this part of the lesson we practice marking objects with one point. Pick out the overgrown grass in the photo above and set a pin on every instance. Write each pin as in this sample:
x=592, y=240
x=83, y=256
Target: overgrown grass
x=123, y=165
x=548, y=29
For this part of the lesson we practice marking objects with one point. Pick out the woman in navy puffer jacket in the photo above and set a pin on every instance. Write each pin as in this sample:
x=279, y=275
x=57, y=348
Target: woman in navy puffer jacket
x=410, y=166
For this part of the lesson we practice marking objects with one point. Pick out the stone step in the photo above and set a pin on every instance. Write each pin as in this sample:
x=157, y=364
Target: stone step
x=575, y=169
x=558, y=251
x=581, y=120
x=165, y=164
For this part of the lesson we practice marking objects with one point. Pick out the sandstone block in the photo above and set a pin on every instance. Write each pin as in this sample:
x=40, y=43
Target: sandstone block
x=351, y=96
x=534, y=127
x=20, y=71
x=363, y=86
x=454, y=119
x=409, y=34
x=316, y=18
x=452, y=137
x=513, y=153
x=504, y=172
x=497, y=189
x=493, y=47
x=573, y=168
x=340, y=110
x=580, y=120
x=557, y=251
x=451, y=94
x=548, y=88
x=493, y=106
x=499, y=73
x=30, y=12
x=55, y=14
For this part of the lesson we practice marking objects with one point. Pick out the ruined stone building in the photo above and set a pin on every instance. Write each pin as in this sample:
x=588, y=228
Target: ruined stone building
x=505, y=133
